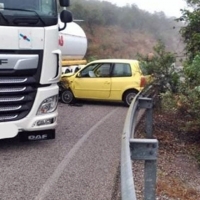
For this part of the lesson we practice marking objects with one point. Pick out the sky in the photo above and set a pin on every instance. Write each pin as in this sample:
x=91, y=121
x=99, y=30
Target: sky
x=169, y=7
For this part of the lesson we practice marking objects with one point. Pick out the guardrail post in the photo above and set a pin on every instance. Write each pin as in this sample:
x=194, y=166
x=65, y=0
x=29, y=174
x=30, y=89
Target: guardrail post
x=147, y=150
x=150, y=179
x=139, y=149
x=147, y=103
x=149, y=123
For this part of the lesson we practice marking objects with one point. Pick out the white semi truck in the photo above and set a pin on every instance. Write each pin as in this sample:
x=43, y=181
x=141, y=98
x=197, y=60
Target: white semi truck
x=30, y=67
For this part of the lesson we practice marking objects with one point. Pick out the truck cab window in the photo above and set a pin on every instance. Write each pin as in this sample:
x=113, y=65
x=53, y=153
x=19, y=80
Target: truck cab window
x=42, y=12
x=18, y=4
x=46, y=6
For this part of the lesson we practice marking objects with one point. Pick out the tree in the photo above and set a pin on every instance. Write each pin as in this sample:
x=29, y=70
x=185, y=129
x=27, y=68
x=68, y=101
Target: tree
x=191, y=31
x=189, y=91
x=161, y=64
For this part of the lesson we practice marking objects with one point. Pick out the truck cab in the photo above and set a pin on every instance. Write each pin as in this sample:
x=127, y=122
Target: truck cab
x=30, y=67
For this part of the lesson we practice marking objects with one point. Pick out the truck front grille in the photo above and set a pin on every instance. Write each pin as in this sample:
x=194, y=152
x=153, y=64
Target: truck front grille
x=16, y=97
x=19, y=82
x=7, y=118
x=14, y=80
x=11, y=90
x=11, y=99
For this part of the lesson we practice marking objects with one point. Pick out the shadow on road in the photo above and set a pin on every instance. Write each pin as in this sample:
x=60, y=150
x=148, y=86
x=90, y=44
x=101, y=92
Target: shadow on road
x=80, y=103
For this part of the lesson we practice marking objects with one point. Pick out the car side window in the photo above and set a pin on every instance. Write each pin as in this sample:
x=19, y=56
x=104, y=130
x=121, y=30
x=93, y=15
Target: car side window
x=121, y=70
x=86, y=71
x=103, y=70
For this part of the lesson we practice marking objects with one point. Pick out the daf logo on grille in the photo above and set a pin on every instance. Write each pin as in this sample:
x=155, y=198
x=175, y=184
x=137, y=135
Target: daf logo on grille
x=3, y=61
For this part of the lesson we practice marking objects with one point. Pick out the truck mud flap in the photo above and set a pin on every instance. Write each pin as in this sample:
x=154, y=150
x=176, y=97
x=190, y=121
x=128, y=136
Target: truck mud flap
x=37, y=135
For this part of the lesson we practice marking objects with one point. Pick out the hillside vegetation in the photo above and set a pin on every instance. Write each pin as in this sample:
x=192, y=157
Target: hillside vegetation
x=123, y=32
x=128, y=32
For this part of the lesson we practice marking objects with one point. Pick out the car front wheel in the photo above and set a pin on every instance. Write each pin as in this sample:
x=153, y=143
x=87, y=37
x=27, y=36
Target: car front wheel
x=67, y=97
x=129, y=96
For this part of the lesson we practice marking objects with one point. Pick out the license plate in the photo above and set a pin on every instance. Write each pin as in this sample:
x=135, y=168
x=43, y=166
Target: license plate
x=8, y=131
x=37, y=135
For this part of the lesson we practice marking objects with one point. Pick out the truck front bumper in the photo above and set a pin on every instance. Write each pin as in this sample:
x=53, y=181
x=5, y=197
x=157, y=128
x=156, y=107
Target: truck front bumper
x=34, y=122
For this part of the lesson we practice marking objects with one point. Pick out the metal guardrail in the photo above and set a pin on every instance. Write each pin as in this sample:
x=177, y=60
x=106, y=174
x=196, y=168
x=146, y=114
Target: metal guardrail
x=138, y=149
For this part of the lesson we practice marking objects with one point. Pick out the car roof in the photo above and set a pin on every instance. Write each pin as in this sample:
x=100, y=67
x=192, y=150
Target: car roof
x=115, y=61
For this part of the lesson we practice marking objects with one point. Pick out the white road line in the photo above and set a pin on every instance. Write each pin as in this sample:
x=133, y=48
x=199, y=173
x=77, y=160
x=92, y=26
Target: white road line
x=61, y=167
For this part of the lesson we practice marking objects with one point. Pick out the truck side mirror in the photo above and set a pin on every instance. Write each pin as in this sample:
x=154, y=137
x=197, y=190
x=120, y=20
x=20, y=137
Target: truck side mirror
x=65, y=17
x=64, y=3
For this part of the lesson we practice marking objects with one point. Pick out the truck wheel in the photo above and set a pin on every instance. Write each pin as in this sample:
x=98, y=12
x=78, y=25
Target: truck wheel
x=67, y=97
x=129, y=96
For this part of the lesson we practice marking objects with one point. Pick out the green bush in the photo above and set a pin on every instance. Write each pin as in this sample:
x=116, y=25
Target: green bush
x=161, y=65
x=188, y=103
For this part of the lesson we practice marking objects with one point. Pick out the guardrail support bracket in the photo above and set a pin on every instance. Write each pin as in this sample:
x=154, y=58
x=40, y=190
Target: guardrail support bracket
x=144, y=149
x=147, y=150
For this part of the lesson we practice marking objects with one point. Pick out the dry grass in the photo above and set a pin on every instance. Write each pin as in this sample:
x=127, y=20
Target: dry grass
x=175, y=188
x=115, y=42
x=178, y=172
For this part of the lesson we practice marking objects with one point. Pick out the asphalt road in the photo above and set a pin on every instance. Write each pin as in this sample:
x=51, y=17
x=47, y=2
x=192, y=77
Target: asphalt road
x=82, y=163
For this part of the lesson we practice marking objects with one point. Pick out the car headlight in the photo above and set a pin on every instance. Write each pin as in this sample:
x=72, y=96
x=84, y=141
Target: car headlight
x=48, y=105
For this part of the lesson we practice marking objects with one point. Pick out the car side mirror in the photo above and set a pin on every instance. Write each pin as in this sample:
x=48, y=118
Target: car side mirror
x=78, y=75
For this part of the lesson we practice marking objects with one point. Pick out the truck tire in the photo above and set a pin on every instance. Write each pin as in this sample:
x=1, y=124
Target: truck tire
x=129, y=96
x=67, y=97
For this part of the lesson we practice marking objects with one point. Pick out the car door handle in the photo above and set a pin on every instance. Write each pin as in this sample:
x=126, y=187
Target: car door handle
x=107, y=82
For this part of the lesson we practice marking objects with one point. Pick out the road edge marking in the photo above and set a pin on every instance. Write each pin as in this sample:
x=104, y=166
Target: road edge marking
x=61, y=167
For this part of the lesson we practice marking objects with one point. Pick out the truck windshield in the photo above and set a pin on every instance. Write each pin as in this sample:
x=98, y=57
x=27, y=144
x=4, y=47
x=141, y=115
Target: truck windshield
x=43, y=10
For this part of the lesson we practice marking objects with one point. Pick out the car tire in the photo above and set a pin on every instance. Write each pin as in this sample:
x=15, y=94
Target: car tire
x=129, y=96
x=67, y=97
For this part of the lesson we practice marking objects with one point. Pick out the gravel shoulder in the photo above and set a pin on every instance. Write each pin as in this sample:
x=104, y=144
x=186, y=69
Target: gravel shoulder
x=178, y=171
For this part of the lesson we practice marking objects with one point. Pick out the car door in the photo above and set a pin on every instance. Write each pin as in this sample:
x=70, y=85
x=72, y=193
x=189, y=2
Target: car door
x=121, y=79
x=93, y=82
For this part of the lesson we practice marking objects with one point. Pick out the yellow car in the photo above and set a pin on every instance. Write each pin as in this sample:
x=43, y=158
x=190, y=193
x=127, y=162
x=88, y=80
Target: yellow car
x=108, y=80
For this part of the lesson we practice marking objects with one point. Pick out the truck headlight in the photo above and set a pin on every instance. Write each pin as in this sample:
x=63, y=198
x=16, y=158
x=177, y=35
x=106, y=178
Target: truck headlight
x=48, y=105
